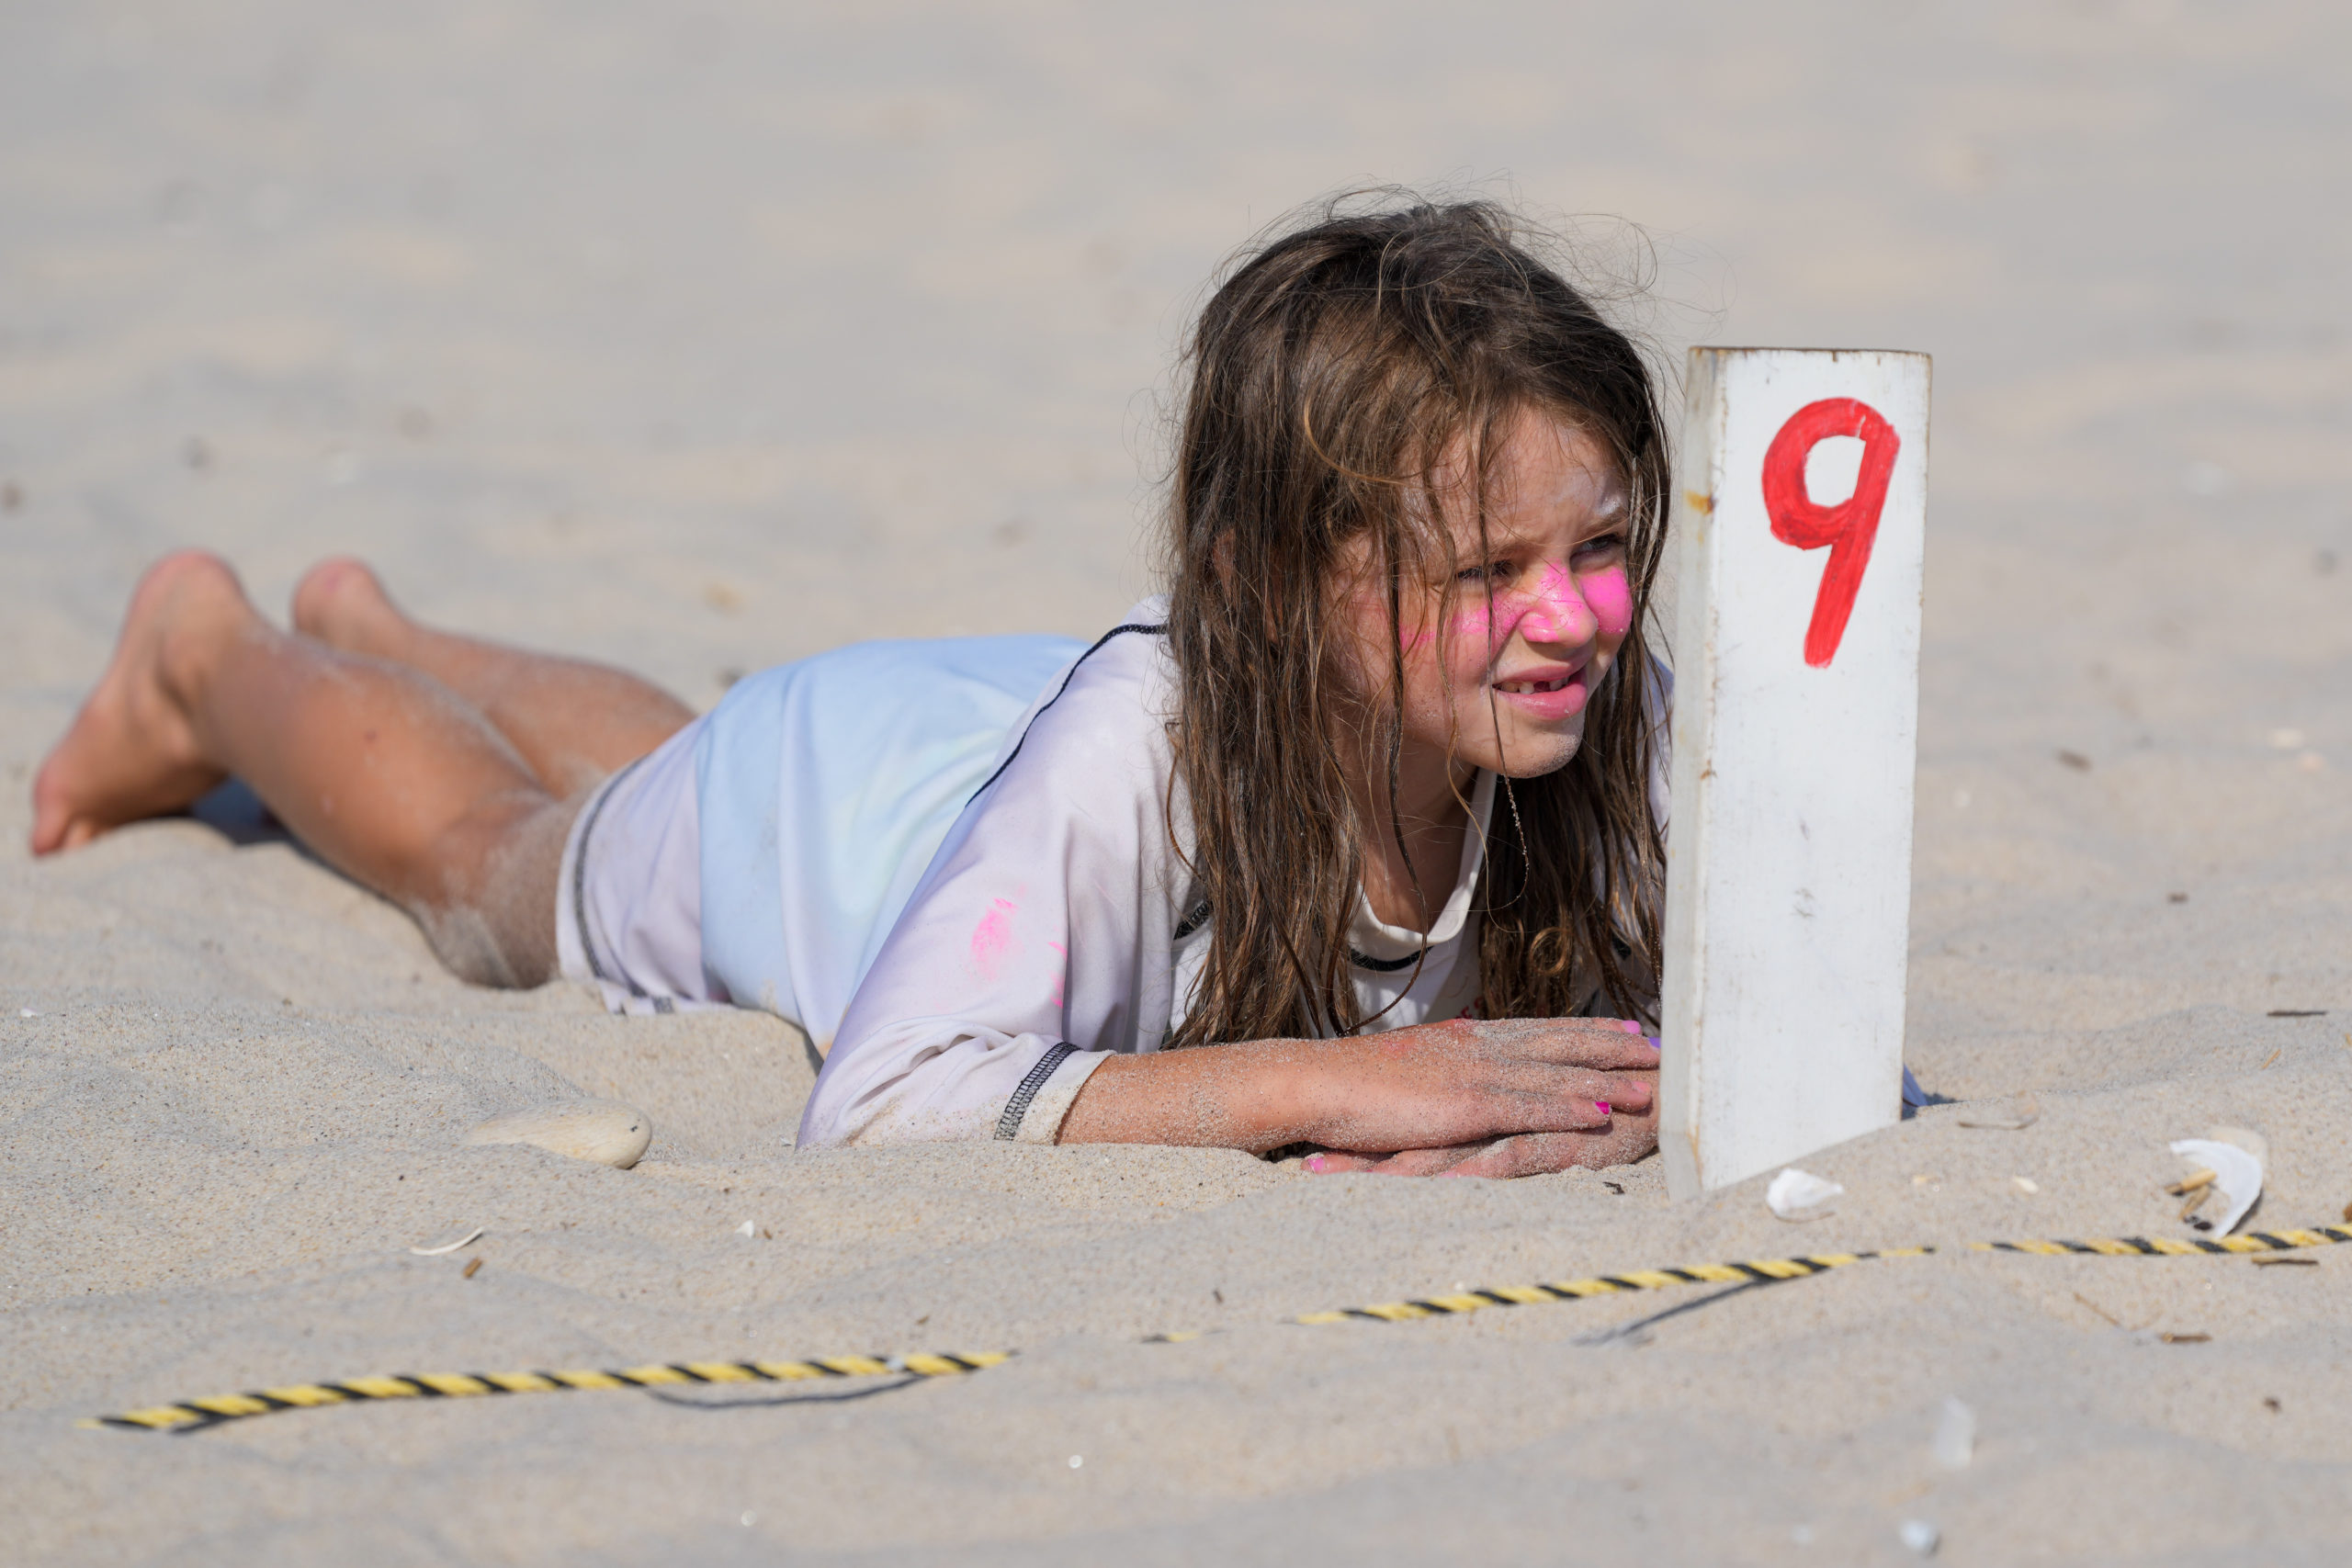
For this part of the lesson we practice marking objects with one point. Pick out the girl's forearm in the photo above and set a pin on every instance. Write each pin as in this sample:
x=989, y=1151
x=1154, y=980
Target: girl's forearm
x=1253, y=1097
x=1423, y=1087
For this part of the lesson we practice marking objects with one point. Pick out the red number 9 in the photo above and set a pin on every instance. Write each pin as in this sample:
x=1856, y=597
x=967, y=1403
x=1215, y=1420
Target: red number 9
x=1849, y=528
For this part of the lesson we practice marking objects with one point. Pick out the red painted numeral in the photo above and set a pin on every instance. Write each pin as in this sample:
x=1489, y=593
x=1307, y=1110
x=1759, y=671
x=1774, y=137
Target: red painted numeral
x=1849, y=528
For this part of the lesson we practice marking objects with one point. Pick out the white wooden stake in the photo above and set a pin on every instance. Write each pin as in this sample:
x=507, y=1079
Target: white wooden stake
x=1789, y=849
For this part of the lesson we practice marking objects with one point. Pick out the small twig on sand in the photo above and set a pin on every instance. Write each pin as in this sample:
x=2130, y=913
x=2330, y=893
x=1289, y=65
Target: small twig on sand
x=2111, y=1320
x=1627, y=1331
x=667, y=1397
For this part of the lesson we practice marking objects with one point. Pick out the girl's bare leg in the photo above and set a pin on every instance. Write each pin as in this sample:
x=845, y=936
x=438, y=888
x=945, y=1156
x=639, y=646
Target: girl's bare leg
x=385, y=773
x=573, y=721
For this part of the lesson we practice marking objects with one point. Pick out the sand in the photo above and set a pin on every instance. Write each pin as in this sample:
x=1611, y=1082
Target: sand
x=702, y=337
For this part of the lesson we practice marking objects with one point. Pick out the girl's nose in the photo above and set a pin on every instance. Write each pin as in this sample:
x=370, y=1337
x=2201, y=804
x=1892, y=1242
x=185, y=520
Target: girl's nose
x=1559, y=612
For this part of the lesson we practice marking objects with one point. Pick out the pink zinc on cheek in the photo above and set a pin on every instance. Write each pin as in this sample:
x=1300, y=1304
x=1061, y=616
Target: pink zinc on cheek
x=1471, y=626
x=1471, y=641
x=1612, y=598
x=992, y=939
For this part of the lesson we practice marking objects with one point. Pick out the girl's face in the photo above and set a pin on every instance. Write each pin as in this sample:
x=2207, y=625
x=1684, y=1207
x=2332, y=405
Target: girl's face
x=1499, y=679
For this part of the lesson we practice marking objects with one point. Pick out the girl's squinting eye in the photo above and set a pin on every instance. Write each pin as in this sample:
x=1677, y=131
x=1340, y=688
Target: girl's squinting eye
x=1493, y=571
x=1606, y=546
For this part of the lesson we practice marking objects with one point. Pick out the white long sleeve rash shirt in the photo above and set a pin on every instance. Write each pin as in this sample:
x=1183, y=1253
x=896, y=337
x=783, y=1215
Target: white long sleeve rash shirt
x=1056, y=925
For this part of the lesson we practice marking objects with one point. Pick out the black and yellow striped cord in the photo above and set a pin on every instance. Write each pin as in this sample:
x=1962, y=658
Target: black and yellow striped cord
x=2164, y=1247
x=198, y=1413
x=194, y=1415
x=1756, y=1272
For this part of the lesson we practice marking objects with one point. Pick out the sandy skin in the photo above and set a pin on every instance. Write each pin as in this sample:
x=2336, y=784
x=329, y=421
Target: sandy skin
x=1512, y=1097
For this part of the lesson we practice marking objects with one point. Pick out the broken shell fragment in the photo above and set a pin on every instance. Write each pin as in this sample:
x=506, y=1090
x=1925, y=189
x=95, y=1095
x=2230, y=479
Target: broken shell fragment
x=1798, y=1195
x=448, y=1247
x=603, y=1131
x=1955, y=1441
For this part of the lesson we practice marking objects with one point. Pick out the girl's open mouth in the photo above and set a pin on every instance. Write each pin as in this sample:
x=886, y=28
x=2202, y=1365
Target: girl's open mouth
x=1547, y=695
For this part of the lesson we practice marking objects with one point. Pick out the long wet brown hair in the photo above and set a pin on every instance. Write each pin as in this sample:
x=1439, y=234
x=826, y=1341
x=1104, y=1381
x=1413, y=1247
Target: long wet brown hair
x=1336, y=380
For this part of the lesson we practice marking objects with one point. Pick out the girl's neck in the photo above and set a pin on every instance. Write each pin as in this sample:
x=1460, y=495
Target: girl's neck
x=1430, y=790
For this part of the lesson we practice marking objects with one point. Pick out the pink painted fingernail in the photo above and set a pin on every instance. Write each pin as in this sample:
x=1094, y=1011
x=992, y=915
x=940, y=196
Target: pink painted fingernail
x=1315, y=1164
x=1630, y=1026
x=1604, y=1106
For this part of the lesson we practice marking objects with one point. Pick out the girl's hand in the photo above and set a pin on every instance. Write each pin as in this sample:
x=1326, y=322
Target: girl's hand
x=1500, y=1097
x=1512, y=1097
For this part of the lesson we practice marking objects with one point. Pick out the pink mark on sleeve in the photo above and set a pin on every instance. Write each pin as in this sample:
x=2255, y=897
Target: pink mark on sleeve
x=992, y=939
x=1063, y=953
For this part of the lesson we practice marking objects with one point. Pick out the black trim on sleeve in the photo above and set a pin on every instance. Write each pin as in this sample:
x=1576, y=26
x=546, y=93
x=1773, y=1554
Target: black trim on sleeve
x=1008, y=1126
x=1160, y=630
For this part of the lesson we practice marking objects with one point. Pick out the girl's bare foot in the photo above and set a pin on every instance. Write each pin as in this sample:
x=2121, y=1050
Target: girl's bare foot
x=342, y=603
x=132, y=751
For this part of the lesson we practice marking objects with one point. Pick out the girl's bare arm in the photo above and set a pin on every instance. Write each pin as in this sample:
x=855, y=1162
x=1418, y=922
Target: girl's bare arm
x=1443, y=1093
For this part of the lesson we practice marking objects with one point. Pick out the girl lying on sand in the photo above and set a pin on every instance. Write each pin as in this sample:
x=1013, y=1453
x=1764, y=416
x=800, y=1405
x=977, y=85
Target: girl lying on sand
x=1340, y=842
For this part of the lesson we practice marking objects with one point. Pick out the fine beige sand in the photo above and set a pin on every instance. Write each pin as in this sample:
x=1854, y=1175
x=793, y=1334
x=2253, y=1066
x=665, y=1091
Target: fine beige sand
x=704, y=336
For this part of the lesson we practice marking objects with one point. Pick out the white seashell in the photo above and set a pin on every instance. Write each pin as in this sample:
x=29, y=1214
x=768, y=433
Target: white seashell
x=2237, y=1174
x=603, y=1131
x=1800, y=1195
